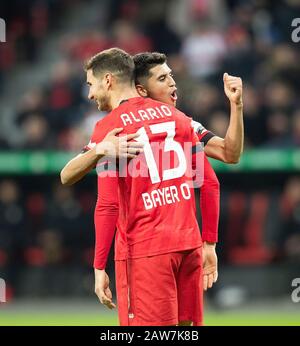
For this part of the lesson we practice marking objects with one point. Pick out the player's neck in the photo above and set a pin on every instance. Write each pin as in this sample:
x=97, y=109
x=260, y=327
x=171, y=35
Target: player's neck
x=122, y=94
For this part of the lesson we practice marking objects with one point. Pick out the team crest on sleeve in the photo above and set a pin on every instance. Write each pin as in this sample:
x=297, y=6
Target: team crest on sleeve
x=198, y=127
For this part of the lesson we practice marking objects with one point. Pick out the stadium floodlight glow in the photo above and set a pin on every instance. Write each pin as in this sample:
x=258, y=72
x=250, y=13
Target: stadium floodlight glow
x=2, y=30
x=2, y=291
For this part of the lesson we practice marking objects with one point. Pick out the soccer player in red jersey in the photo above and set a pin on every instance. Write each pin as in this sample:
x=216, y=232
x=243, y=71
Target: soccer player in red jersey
x=159, y=83
x=153, y=78
x=156, y=216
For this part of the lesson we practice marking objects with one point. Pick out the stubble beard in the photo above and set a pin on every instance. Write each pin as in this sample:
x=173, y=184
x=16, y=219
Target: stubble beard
x=104, y=104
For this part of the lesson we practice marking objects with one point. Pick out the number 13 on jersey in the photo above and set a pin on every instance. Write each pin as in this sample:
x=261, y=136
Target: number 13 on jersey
x=169, y=145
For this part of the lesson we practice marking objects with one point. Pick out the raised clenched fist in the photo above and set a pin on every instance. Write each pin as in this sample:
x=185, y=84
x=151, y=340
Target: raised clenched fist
x=233, y=88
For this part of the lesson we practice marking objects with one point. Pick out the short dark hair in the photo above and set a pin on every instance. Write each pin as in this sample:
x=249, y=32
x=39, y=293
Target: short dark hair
x=144, y=62
x=113, y=60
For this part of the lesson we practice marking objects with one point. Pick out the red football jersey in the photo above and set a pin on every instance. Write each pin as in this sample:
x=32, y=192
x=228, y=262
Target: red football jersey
x=156, y=199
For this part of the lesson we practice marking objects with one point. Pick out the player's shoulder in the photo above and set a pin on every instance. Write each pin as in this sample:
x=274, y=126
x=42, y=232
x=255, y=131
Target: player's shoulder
x=102, y=127
x=108, y=120
x=98, y=124
x=180, y=115
x=143, y=102
x=175, y=111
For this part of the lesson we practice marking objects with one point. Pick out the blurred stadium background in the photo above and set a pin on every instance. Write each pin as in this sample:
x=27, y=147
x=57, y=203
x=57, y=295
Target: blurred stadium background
x=46, y=230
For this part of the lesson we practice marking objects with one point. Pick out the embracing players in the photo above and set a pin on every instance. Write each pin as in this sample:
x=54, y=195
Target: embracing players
x=219, y=146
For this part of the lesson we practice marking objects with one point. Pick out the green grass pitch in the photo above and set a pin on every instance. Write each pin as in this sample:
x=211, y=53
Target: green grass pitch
x=8, y=318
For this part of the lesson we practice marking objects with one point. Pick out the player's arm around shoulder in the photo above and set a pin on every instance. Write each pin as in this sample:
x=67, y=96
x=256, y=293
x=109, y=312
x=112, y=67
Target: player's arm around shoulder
x=111, y=146
x=78, y=167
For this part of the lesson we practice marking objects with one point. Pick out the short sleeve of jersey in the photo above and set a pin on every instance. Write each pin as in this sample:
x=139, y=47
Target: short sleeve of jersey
x=203, y=134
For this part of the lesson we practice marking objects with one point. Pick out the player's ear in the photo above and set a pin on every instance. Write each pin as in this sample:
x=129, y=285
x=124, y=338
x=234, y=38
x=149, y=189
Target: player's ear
x=108, y=80
x=141, y=90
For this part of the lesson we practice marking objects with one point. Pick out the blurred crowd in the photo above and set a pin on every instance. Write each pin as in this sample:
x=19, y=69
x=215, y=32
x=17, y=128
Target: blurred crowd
x=46, y=234
x=203, y=39
x=27, y=24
